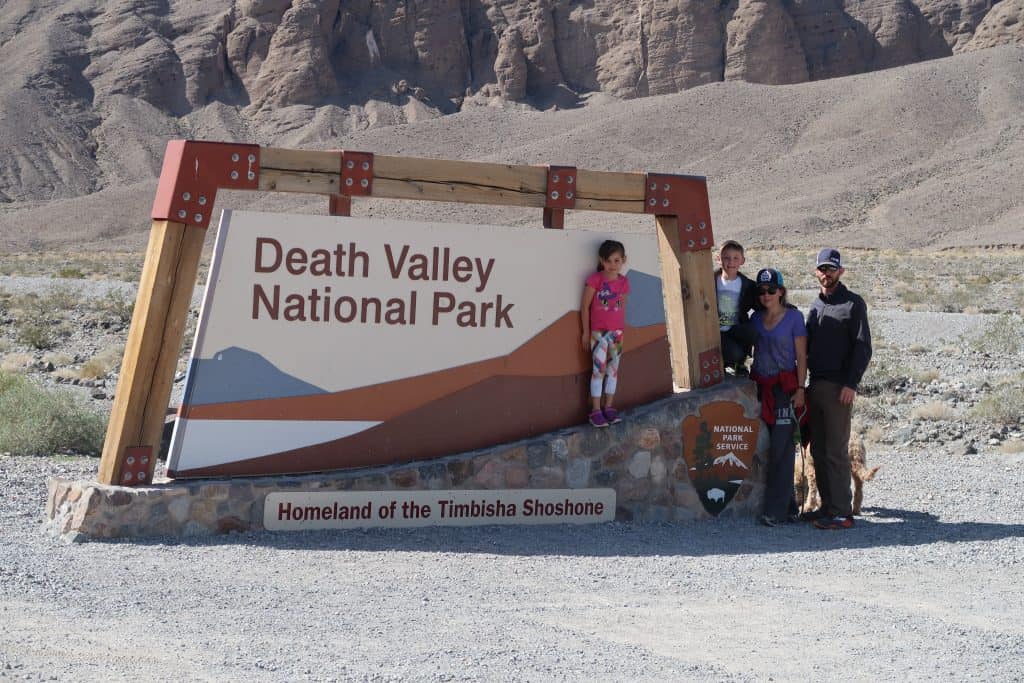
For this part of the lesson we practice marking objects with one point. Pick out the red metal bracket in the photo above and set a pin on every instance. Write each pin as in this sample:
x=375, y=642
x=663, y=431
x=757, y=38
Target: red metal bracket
x=685, y=197
x=356, y=174
x=192, y=173
x=561, y=188
x=561, y=195
x=137, y=468
x=710, y=367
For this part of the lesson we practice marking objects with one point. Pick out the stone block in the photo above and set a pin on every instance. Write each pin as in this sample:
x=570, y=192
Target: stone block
x=577, y=473
x=547, y=478
x=640, y=464
x=649, y=438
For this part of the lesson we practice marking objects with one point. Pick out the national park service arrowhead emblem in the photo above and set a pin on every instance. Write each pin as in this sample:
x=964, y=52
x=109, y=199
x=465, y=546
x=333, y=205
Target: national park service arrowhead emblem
x=719, y=446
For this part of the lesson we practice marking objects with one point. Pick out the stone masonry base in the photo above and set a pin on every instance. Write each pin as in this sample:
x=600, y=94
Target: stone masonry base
x=641, y=458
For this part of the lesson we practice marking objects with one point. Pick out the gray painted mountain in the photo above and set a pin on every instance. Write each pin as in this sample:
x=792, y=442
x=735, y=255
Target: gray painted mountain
x=237, y=374
x=93, y=89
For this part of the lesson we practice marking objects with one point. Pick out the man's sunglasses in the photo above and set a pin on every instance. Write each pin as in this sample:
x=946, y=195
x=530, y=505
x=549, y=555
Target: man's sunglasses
x=827, y=269
x=767, y=290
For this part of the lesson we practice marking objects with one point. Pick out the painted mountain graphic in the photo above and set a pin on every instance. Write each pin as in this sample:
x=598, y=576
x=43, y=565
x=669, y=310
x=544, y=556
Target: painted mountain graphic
x=646, y=302
x=235, y=374
x=539, y=387
x=729, y=459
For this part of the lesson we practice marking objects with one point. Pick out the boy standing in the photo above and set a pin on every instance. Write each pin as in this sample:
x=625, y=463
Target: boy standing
x=737, y=296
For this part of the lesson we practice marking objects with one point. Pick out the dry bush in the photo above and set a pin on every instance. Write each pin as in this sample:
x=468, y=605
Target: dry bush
x=57, y=359
x=5, y=345
x=924, y=376
x=102, y=363
x=933, y=411
x=15, y=362
x=1004, y=406
x=917, y=349
x=34, y=421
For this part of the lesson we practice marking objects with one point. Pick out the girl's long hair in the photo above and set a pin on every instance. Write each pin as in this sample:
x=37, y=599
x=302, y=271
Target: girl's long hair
x=607, y=248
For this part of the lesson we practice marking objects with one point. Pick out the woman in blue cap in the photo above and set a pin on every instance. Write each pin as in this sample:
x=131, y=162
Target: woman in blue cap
x=780, y=370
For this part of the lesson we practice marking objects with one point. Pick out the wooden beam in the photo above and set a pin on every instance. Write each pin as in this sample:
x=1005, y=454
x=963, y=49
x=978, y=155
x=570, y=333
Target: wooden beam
x=154, y=345
x=691, y=304
x=469, y=182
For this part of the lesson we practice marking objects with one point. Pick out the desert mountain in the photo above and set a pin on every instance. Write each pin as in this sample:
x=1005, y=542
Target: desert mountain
x=790, y=107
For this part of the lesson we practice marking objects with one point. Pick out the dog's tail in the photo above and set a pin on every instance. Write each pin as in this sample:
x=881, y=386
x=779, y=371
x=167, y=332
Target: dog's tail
x=867, y=474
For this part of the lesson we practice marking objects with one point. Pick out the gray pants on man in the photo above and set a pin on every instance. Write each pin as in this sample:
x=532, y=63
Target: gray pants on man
x=830, y=438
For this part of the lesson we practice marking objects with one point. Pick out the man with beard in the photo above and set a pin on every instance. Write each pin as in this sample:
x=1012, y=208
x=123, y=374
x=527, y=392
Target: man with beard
x=838, y=352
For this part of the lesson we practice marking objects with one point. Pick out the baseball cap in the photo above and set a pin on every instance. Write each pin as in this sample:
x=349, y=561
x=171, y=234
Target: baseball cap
x=769, y=276
x=830, y=257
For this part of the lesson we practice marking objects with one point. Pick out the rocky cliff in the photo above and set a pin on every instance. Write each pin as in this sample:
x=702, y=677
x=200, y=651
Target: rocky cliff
x=84, y=76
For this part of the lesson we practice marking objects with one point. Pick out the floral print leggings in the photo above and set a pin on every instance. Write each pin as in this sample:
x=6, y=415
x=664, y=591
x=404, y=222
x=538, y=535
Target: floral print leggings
x=606, y=348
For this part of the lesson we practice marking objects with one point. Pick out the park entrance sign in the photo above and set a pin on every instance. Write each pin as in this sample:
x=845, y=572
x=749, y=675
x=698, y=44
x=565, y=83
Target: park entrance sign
x=459, y=313
x=326, y=343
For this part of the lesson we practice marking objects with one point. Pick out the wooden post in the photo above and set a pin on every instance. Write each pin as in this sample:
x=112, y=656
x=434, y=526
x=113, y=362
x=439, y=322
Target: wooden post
x=153, y=346
x=691, y=305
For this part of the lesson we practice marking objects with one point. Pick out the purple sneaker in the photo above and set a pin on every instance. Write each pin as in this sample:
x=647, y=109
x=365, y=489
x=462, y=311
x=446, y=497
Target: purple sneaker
x=612, y=416
x=597, y=419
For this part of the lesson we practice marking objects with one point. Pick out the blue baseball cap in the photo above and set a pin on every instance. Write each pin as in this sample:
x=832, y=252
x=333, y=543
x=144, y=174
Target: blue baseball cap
x=769, y=276
x=829, y=257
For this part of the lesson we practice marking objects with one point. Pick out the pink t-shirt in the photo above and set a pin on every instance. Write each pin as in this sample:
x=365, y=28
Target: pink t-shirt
x=608, y=308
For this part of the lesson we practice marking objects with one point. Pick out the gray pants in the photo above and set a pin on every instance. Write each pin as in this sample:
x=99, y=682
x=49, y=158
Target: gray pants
x=830, y=439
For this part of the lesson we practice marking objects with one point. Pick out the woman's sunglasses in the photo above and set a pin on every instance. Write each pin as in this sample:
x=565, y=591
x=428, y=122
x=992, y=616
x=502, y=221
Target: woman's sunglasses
x=767, y=290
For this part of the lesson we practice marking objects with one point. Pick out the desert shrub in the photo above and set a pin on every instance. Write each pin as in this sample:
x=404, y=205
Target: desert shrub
x=5, y=345
x=1000, y=336
x=15, y=362
x=102, y=363
x=57, y=359
x=933, y=411
x=119, y=304
x=924, y=376
x=1004, y=406
x=35, y=334
x=70, y=272
x=34, y=421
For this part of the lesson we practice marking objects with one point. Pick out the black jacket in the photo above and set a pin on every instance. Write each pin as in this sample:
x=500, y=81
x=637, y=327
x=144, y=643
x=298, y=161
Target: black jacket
x=748, y=297
x=838, y=337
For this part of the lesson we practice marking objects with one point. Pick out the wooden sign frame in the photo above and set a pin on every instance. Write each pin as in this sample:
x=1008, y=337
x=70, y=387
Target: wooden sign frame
x=193, y=171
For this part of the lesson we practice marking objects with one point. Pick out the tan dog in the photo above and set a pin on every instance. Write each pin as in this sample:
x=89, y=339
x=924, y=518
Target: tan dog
x=806, y=483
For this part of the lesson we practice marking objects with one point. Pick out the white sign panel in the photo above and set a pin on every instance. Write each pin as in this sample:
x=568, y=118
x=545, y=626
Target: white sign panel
x=330, y=342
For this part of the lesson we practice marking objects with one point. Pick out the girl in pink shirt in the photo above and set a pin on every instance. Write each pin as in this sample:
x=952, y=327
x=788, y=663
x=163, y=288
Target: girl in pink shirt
x=603, y=314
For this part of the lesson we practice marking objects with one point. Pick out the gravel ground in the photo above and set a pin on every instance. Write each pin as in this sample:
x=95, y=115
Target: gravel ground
x=927, y=586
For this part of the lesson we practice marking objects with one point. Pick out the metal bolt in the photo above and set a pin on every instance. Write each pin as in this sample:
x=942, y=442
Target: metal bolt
x=186, y=196
x=703, y=225
x=234, y=157
x=202, y=200
x=127, y=476
x=142, y=476
x=348, y=181
x=654, y=187
x=130, y=460
x=350, y=164
x=198, y=218
x=252, y=158
x=653, y=201
x=252, y=175
x=569, y=194
x=570, y=179
x=364, y=182
x=706, y=365
x=554, y=194
x=234, y=175
x=703, y=241
x=691, y=244
x=717, y=373
x=555, y=178
x=707, y=379
x=144, y=460
x=366, y=165
x=689, y=227
x=664, y=202
x=667, y=187
x=182, y=213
